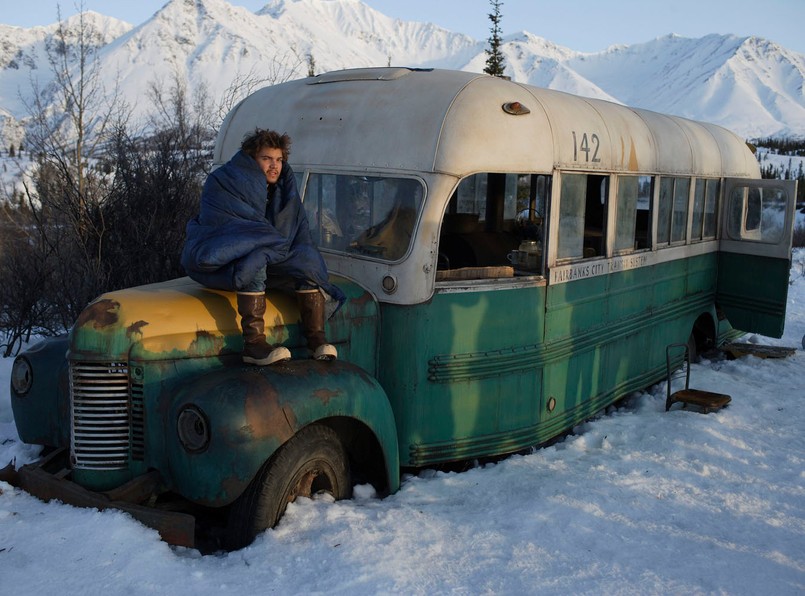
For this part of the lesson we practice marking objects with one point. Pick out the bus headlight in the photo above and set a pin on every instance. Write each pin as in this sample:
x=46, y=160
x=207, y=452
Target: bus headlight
x=22, y=375
x=193, y=429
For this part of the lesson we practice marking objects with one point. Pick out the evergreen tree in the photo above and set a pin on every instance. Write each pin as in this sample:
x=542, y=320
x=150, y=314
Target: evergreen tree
x=311, y=65
x=495, y=64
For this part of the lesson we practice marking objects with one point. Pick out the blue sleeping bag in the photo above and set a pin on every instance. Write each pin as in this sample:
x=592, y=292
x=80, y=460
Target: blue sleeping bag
x=235, y=235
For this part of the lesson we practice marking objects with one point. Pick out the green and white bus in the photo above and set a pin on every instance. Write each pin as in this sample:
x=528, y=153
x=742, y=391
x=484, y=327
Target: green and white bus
x=515, y=260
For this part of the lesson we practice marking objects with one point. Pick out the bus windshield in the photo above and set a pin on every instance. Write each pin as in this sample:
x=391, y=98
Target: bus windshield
x=373, y=216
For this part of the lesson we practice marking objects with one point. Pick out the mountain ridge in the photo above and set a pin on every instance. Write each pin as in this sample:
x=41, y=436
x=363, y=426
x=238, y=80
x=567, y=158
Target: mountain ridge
x=746, y=83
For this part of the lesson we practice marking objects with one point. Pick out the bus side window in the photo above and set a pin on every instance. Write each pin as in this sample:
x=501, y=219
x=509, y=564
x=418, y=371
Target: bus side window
x=474, y=231
x=679, y=223
x=488, y=217
x=711, y=194
x=633, y=225
x=645, y=192
x=664, y=205
x=582, y=216
x=756, y=214
x=703, y=225
x=698, y=210
x=672, y=221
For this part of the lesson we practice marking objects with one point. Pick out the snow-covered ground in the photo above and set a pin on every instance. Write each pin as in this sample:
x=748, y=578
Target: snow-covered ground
x=637, y=501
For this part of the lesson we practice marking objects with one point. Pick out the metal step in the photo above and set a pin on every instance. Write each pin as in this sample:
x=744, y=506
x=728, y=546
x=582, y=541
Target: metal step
x=704, y=401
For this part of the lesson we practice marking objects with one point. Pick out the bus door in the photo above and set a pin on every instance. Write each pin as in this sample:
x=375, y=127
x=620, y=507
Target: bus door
x=754, y=257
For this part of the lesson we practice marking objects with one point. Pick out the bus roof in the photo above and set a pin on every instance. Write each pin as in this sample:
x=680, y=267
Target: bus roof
x=458, y=123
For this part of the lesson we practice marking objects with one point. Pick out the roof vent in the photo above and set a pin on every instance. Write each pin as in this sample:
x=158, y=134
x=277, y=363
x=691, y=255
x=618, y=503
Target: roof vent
x=364, y=74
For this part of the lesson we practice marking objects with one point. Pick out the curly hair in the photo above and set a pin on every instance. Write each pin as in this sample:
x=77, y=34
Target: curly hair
x=262, y=138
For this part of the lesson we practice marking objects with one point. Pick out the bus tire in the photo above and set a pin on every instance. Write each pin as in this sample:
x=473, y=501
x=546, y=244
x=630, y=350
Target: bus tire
x=311, y=462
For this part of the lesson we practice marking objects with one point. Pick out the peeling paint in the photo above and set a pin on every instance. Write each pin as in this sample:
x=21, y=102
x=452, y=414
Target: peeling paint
x=136, y=329
x=325, y=395
x=206, y=344
x=362, y=300
x=264, y=415
x=102, y=313
x=233, y=485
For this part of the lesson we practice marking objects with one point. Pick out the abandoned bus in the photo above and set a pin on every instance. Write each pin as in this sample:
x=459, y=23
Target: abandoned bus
x=515, y=259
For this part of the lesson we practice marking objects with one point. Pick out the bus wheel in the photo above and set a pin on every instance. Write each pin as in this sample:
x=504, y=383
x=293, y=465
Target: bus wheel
x=312, y=462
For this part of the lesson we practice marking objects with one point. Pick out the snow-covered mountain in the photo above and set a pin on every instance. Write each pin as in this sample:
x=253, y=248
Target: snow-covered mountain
x=748, y=84
x=24, y=63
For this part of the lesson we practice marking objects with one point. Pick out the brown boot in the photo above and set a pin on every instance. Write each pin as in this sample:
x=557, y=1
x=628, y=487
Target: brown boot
x=252, y=307
x=311, y=309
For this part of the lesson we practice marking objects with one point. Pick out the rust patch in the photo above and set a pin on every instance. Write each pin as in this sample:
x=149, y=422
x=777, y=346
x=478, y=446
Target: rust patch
x=264, y=414
x=206, y=344
x=325, y=395
x=231, y=488
x=632, y=158
x=306, y=368
x=136, y=329
x=102, y=313
x=361, y=300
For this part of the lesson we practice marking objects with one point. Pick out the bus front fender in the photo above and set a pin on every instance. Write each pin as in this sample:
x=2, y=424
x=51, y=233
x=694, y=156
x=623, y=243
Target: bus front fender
x=224, y=426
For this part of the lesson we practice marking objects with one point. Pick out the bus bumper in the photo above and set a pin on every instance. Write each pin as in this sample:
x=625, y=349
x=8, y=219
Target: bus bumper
x=46, y=479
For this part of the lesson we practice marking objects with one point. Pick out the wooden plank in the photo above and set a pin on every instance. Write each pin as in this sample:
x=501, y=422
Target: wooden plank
x=739, y=349
x=475, y=273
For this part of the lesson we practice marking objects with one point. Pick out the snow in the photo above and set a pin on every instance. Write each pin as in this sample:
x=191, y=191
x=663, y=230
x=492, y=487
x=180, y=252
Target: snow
x=636, y=501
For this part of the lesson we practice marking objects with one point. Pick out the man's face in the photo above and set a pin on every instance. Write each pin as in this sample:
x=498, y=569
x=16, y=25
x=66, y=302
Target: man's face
x=270, y=161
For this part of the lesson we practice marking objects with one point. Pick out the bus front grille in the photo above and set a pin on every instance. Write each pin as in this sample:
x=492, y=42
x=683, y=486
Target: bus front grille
x=100, y=438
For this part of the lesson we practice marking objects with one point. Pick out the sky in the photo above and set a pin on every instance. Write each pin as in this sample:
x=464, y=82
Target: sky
x=637, y=501
x=581, y=25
